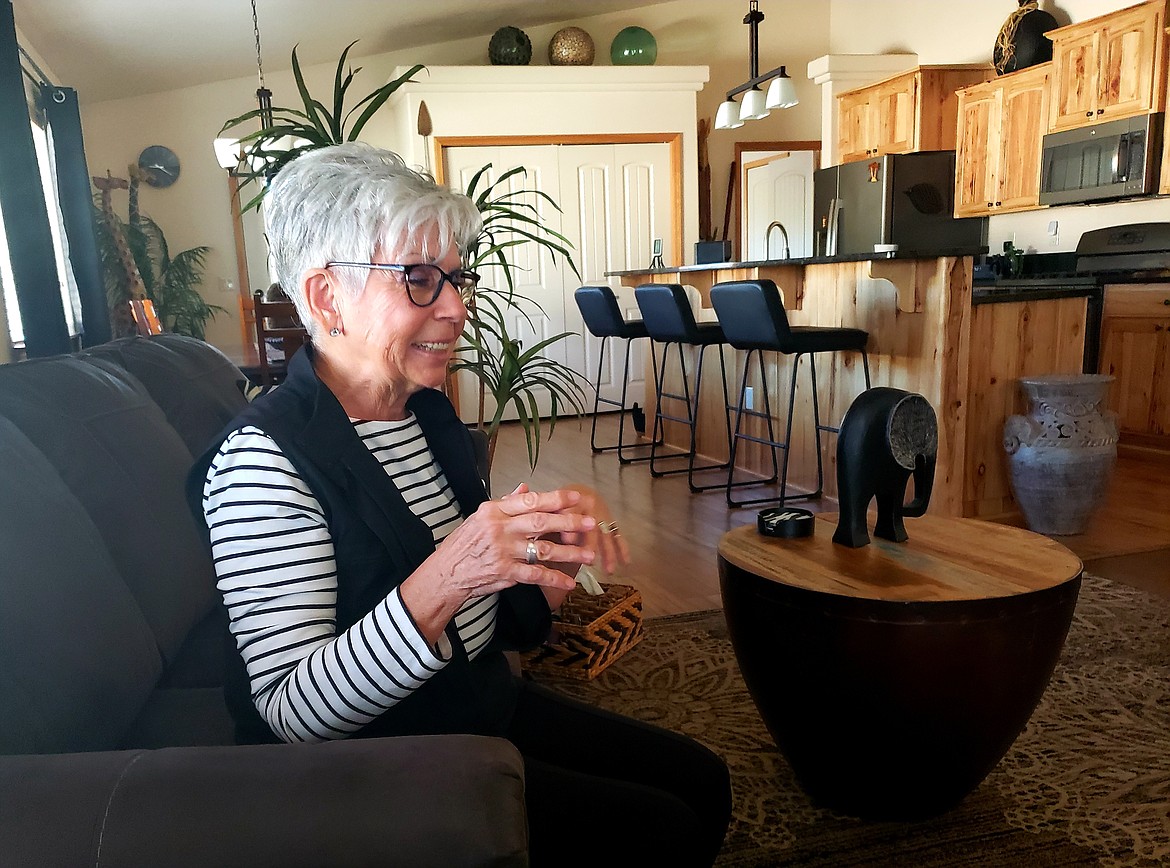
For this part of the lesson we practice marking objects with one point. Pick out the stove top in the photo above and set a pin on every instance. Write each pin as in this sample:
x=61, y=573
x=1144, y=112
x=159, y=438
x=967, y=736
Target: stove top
x=1137, y=251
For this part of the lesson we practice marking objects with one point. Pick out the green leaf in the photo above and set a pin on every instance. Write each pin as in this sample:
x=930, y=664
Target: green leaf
x=340, y=86
x=307, y=98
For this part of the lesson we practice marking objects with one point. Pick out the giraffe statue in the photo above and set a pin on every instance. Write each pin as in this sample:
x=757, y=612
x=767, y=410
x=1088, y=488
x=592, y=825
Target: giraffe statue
x=137, y=174
x=121, y=320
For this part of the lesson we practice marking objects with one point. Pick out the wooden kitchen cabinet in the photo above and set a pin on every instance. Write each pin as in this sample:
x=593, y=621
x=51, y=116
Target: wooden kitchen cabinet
x=998, y=150
x=1164, y=187
x=908, y=112
x=854, y=136
x=1108, y=67
x=1135, y=348
x=1010, y=340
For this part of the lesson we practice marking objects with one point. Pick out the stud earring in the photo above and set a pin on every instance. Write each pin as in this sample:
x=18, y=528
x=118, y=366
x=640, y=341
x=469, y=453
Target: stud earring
x=334, y=332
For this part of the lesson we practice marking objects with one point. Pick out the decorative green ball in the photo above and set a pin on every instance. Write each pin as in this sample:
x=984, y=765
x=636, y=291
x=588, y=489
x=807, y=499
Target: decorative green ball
x=510, y=46
x=633, y=46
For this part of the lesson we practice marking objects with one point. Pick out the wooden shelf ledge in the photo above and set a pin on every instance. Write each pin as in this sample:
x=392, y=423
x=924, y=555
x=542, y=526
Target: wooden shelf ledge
x=903, y=274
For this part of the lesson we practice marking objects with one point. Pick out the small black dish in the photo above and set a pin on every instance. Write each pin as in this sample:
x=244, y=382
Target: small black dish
x=785, y=522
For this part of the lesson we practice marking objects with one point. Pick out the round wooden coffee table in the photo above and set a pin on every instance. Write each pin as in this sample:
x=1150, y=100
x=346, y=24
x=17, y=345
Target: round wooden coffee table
x=895, y=676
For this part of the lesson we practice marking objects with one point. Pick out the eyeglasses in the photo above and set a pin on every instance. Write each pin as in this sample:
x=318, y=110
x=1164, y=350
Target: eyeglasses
x=423, y=280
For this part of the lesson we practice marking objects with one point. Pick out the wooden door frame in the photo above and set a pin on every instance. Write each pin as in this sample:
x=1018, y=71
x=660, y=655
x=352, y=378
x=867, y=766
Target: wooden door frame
x=736, y=202
x=243, y=289
x=674, y=140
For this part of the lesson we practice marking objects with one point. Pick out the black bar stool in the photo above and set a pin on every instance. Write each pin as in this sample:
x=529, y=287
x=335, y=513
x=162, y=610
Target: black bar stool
x=753, y=319
x=602, y=316
x=670, y=321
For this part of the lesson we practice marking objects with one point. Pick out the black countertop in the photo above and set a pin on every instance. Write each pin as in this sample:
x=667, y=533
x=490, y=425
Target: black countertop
x=800, y=261
x=993, y=291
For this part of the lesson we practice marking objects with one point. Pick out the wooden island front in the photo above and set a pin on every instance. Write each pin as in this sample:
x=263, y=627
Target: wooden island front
x=925, y=336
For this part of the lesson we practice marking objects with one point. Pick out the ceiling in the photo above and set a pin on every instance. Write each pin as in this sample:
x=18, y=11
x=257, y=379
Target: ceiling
x=118, y=48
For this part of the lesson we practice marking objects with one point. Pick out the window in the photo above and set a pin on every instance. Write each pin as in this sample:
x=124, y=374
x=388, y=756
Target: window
x=42, y=142
x=11, y=310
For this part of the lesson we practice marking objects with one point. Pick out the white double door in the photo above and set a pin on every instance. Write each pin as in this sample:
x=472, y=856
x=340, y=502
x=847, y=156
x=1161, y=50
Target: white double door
x=615, y=199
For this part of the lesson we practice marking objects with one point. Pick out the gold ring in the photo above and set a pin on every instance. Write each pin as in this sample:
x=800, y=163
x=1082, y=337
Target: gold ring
x=607, y=526
x=530, y=553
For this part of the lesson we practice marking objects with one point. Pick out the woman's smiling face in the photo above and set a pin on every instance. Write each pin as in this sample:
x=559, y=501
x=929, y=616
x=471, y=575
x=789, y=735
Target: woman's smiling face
x=399, y=347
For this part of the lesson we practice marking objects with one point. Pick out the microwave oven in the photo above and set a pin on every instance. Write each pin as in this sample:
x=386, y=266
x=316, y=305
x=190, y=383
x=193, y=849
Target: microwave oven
x=1113, y=160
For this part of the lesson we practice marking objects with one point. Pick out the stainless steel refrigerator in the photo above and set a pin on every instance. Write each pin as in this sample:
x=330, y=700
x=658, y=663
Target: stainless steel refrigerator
x=903, y=199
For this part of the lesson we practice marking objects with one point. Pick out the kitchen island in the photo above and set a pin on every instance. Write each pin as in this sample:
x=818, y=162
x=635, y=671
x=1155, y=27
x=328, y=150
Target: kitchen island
x=925, y=336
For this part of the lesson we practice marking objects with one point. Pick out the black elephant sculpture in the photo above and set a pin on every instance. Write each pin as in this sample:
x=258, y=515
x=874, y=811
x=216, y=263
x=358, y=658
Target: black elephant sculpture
x=887, y=436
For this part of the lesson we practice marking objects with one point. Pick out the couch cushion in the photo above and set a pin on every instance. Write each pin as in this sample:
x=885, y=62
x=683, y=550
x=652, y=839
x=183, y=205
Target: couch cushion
x=197, y=386
x=202, y=657
x=182, y=717
x=77, y=658
x=114, y=449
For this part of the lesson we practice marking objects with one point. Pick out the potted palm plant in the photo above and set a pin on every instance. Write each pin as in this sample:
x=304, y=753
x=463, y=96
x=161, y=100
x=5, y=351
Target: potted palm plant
x=171, y=281
x=513, y=375
x=510, y=374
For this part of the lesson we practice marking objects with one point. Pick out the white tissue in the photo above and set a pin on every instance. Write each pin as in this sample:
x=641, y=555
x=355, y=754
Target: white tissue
x=587, y=578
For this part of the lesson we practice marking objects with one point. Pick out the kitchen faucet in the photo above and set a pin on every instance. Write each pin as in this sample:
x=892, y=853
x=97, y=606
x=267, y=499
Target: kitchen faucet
x=775, y=224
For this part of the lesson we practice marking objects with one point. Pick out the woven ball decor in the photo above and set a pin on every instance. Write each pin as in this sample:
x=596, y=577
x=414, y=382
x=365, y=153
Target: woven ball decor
x=571, y=46
x=510, y=46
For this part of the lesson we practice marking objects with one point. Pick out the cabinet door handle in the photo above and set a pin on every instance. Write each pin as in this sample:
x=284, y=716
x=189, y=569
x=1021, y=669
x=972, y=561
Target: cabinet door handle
x=997, y=204
x=1166, y=301
x=1100, y=111
x=990, y=204
x=1088, y=114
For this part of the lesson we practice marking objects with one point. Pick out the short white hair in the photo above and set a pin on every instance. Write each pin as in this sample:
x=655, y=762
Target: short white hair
x=341, y=202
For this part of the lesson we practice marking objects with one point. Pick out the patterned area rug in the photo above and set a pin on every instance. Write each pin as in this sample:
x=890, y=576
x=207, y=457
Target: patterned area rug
x=1086, y=783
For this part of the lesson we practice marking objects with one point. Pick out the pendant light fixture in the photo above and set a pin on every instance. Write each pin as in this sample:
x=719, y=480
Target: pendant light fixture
x=755, y=103
x=229, y=152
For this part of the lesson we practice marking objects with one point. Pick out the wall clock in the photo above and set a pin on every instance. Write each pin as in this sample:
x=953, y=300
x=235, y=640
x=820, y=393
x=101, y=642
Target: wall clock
x=160, y=164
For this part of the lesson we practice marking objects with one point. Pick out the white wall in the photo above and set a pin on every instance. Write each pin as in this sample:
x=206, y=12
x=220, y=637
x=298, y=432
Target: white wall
x=195, y=210
x=946, y=31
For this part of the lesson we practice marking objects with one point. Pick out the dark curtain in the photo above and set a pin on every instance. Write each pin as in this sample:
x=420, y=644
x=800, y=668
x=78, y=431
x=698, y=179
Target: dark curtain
x=60, y=107
x=22, y=207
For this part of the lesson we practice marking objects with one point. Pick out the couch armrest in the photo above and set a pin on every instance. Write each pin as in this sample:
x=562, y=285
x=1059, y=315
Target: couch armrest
x=445, y=800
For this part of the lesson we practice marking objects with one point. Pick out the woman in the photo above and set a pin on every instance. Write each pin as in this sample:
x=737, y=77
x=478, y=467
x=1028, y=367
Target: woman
x=371, y=585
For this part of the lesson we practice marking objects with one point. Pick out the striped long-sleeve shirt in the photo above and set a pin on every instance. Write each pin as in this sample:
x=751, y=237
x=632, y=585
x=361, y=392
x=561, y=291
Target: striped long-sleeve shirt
x=275, y=566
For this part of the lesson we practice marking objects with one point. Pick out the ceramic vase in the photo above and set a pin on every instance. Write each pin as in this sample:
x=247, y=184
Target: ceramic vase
x=1061, y=454
x=1021, y=41
x=633, y=46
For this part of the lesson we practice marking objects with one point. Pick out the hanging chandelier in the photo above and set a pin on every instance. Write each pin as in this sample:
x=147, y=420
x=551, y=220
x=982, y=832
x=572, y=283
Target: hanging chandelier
x=756, y=104
x=231, y=153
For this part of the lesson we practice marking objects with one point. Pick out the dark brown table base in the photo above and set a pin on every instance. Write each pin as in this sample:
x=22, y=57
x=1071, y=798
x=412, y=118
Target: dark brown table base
x=892, y=709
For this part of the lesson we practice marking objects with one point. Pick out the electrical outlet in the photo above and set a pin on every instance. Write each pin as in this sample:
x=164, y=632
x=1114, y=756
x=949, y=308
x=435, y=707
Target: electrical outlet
x=749, y=396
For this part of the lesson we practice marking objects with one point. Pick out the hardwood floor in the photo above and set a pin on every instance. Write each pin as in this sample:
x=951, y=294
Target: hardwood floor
x=673, y=534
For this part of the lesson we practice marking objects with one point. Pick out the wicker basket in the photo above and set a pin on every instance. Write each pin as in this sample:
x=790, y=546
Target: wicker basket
x=589, y=633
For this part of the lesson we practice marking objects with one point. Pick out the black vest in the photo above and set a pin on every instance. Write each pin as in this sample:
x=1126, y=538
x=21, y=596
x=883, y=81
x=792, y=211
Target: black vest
x=378, y=543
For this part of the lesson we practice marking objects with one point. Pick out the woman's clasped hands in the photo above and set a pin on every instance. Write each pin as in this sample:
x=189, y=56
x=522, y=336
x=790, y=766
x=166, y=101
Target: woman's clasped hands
x=530, y=537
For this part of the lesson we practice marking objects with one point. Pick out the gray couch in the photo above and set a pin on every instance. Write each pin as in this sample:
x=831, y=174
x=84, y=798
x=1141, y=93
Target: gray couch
x=115, y=743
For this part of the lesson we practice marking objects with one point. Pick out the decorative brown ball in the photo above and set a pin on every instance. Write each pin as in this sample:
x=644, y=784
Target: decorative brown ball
x=571, y=46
